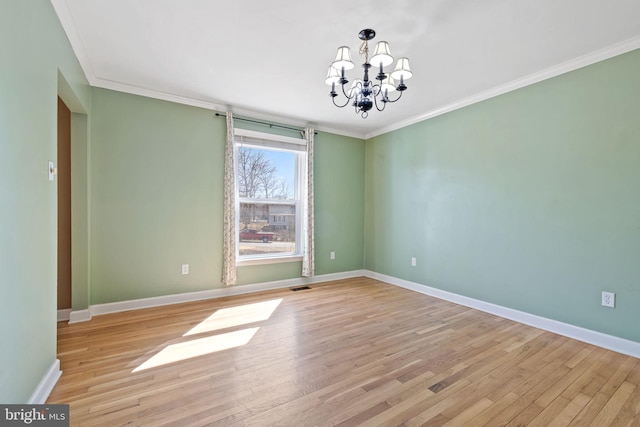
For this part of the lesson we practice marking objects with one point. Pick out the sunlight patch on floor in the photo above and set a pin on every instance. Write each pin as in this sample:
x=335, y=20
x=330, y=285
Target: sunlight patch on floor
x=235, y=316
x=198, y=347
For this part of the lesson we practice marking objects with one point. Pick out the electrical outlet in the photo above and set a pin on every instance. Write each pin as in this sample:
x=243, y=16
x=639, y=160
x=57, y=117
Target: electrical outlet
x=185, y=268
x=413, y=261
x=608, y=299
x=332, y=255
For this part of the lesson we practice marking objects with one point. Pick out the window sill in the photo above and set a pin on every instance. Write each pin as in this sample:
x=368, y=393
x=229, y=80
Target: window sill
x=268, y=260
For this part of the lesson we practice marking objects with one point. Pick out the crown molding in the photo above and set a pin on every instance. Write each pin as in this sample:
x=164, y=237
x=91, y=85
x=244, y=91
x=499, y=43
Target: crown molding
x=63, y=12
x=68, y=25
x=565, y=67
x=155, y=94
x=64, y=15
x=556, y=70
x=214, y=106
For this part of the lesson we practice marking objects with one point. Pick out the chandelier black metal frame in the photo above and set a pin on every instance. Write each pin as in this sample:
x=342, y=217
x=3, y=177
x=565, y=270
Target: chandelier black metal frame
x=363, y=93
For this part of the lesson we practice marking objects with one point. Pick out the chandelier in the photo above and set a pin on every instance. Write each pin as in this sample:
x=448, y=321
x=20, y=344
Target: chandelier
x=363, y=93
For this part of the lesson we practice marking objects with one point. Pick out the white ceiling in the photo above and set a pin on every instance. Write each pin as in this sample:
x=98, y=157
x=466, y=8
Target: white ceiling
x=268, y=59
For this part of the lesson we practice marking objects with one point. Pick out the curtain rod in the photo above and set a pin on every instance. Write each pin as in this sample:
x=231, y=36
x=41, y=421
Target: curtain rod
x=271, y=125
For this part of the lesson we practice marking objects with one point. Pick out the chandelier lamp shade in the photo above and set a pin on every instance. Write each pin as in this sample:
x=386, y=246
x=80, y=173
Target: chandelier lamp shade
x=364, y=94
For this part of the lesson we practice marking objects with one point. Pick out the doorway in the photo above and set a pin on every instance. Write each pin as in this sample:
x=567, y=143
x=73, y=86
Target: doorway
x=64, y=206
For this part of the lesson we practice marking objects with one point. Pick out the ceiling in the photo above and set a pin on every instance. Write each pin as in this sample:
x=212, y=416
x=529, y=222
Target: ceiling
x=268, y=59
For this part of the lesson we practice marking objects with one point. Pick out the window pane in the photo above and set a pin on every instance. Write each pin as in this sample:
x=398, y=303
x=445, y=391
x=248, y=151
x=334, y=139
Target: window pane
x=267, y=229
x=266, y=174
x=268, y=185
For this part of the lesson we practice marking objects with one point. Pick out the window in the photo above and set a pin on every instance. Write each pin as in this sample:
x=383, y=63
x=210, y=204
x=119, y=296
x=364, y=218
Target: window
x=270, y=171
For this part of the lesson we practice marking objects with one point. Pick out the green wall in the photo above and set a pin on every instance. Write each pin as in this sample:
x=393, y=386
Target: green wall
x=80, y=211
x=339, y=203
x=156, y=171
x=529, y=200
x=34, y=51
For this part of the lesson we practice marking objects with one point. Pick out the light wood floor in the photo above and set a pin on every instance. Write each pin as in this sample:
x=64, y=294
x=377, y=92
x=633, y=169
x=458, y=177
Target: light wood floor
x=354, y=352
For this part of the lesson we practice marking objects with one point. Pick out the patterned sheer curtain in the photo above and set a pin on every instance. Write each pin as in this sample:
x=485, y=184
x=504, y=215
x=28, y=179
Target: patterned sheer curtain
x=229, y=234
x=308, y=262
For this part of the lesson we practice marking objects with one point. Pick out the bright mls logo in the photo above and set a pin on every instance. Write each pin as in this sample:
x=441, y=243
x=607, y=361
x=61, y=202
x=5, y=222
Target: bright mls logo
x=35, y=415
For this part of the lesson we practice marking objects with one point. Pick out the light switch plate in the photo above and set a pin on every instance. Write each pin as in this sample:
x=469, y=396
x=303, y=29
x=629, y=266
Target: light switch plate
x=52, y=170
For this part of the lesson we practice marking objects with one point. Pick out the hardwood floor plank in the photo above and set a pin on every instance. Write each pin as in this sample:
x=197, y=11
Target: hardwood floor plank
x=486, y=417
x=570, y=411
x=469, y=413
x=613, y=406
x=350, y=352
x=590, y=411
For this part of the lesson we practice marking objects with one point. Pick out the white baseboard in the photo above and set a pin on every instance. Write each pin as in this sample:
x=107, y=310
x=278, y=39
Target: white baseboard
x=64, y=314
x=620, y=345
x=600, y=339
x=610, y=342
x=79, y=316
x=116, y=307
x=46, y=384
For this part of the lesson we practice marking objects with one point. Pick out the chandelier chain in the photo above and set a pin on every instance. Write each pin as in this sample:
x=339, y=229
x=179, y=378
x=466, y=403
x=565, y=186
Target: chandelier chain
x=364, y=50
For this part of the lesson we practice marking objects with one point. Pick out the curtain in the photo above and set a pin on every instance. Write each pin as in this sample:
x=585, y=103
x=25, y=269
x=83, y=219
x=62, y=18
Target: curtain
x=229, y=234
x=308, y=262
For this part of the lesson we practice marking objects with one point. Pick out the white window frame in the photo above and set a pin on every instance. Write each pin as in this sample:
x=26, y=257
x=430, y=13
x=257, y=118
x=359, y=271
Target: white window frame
x=261, y=140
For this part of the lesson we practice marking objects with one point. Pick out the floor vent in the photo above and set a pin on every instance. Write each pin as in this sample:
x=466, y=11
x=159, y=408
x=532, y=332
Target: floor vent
x=301, y=288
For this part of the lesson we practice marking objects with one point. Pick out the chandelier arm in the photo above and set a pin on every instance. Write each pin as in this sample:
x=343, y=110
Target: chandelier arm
x=375, y=97
x=394, y=100
x=333, y=98
x=345, y=94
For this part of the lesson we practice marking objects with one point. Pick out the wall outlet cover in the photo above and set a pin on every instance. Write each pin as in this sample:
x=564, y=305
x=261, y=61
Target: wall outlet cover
x=608, y=299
